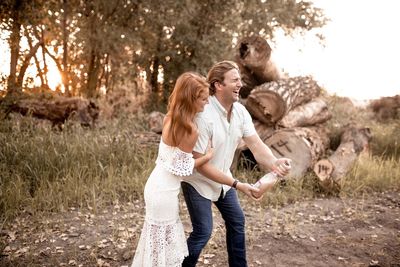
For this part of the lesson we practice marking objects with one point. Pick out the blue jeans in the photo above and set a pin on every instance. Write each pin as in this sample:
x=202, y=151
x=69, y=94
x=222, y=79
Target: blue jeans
x=202, y=223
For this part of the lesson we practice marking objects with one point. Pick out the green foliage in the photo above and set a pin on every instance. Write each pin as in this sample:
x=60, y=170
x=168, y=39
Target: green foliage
x=104, y=44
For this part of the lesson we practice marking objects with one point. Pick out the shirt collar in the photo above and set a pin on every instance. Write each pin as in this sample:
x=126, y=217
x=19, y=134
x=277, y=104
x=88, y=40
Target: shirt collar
x=214, y=101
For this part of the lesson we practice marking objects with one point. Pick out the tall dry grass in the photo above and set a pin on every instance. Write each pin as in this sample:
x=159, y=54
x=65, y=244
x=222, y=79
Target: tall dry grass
x=46, y=170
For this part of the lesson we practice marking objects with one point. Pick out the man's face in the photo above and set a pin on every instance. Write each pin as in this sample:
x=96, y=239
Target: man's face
x=231, y=86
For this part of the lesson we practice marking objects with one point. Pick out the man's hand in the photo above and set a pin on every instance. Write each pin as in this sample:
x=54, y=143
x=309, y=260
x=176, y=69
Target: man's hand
x=282, y=166
x=248, y=189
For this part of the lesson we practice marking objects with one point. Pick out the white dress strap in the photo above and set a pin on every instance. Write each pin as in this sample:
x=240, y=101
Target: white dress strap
x=174, y=160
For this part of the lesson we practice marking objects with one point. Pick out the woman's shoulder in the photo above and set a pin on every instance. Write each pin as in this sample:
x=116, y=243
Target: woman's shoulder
x=189, y=140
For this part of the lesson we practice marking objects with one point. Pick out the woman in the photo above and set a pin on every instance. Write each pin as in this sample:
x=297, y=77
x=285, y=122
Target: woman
x=162, y=241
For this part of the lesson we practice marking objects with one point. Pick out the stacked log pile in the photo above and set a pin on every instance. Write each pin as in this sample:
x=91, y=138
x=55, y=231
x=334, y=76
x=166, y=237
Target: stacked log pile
x=289, y=116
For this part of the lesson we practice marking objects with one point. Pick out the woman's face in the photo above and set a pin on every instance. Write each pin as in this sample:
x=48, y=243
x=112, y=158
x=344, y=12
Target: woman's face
x=201, y=101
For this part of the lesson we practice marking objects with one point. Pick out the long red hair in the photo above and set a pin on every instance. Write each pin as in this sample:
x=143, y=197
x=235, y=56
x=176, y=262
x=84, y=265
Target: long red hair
x=181, y=105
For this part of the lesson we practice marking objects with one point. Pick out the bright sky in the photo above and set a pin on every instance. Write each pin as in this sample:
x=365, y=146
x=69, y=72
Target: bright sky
x=361, y=59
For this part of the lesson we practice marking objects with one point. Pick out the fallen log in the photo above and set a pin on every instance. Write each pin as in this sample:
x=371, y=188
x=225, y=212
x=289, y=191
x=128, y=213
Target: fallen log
x=304, y=146
x=263, y=131
x=58, y=110
x=253, y=56
x=331, y=170
x=312, y=113
x=269, y=102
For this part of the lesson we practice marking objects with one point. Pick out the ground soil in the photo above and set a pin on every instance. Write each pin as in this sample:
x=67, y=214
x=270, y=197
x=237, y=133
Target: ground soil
x=326, y=231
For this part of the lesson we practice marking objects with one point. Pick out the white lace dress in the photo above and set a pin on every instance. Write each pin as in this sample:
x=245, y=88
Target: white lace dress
x=162, y=242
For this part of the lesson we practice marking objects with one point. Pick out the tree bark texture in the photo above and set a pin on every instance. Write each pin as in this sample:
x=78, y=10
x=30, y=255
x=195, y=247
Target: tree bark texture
x=266, y=106
x=314, y=112
x=253, y=56
x=25, y=64
x=269, y=102
x=15, y=38
x=331, y=170
x=303, y=146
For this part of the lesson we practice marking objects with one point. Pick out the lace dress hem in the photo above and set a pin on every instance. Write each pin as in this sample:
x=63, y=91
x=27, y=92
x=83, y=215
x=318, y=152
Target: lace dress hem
x=161, y=245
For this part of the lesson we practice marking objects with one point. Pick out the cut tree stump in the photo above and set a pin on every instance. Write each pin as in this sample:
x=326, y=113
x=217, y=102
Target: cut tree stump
x=311, y=113
x=330, y=171
x=304, y=146
x=271, y=101
x=266, y=106
x=58, y=109
x=253, y=56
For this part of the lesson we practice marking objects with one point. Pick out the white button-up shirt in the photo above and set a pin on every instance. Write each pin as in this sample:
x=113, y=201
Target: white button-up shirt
x=225, y=137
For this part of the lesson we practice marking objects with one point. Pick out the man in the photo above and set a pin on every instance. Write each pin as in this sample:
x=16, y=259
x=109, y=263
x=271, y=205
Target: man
x=225, y=122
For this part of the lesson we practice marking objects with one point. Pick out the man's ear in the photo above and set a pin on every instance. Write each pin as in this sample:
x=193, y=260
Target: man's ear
x=217, y=85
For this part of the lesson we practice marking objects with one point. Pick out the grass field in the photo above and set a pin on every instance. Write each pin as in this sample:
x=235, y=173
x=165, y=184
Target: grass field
x=42, y=169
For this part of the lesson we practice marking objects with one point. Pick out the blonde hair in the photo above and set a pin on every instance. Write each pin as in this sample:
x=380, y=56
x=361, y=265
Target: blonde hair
x=217, y=72
x=181, y=104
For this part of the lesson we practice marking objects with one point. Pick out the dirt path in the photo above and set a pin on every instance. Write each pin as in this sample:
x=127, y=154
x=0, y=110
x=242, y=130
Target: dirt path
x=318, y=232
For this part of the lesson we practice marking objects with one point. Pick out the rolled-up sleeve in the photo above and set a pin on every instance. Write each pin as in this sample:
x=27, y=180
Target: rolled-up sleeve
x=248, y=125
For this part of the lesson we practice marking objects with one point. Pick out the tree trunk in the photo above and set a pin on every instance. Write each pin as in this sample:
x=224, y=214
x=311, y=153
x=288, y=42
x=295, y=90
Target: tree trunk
x=37, y=63
x=303, y=146
x=15, y=38
x=93, y=73
x=330, y=171
x=25, y=64
x=253, y=55
x=64, y=73
x=269, y=102
x=154, y=75
x=312, y=113
x=44, y=49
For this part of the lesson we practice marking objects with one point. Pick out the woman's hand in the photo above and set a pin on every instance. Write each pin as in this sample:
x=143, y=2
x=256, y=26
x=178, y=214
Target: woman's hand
x=209, y=153
x=248, y=189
